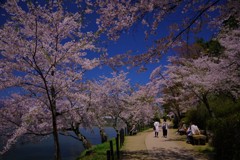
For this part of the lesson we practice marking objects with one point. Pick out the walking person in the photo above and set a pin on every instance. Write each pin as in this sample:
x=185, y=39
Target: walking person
x=156, y=128
x=164, y=128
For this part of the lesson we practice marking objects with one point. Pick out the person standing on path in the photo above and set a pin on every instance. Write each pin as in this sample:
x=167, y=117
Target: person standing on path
x=156, y=128
x=164, y=128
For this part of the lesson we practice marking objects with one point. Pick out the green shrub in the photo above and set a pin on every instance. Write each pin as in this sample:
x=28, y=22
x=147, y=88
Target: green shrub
x=226, y=139
x=226, y=128
x=199, y=116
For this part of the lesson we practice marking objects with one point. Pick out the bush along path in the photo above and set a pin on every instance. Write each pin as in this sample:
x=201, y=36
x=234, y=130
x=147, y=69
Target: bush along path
x=144, y=146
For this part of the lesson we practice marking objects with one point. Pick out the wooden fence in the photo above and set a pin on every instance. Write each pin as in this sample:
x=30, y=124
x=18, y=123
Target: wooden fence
x=119, y=142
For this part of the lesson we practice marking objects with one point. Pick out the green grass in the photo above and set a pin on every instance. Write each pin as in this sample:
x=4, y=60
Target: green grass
x=207, y=150
x=98, y=152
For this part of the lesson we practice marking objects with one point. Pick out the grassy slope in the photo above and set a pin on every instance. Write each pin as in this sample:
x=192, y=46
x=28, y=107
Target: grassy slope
x=98, y=152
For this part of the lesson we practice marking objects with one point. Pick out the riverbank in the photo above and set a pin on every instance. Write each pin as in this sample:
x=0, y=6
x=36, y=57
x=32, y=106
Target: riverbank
x=144, y=146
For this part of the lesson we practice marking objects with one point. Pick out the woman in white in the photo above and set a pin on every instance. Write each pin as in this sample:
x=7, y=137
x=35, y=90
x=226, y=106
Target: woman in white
x=156, y=128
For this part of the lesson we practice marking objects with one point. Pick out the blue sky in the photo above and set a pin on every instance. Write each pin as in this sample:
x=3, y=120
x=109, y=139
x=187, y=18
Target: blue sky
x=135, y=41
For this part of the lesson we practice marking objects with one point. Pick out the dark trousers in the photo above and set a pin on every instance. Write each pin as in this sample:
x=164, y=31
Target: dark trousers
x=165, y=133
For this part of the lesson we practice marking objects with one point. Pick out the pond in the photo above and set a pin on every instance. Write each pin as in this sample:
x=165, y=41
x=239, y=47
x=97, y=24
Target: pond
x=44, y=150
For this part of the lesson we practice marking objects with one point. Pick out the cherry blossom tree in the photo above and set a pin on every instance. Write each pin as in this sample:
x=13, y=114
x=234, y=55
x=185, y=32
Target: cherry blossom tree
x=167, y=87
x=201, y=70
x=96, y=105
x=18, y=120
x=44, y=55
x=114, y=98
x=76, y=115
x=192, y=80
x=184, y=17
x=113, y=93
x=43, y=58
x=143, y=106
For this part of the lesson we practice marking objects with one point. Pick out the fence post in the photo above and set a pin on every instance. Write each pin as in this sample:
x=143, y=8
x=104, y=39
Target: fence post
x=108, y=155
x=122, y=135
x=111, y=149
x=117, y=146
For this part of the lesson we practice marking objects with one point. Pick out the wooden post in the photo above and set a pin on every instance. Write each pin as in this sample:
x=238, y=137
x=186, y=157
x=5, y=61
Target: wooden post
x=117, y=146
x=122, y=134
x=111, y=149
x=108, y=155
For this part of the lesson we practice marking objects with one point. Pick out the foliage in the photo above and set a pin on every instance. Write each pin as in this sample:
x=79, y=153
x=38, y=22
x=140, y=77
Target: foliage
x=226, y=139
x=225, y=127
x=156, y=117
x=199, y=116
x=231, y=23
x=224, y=107
x=98, y=152
x=212, y=47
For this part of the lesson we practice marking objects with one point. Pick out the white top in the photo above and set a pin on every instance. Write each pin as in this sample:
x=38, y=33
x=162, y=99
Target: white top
x=195, y=129
x=156, y=124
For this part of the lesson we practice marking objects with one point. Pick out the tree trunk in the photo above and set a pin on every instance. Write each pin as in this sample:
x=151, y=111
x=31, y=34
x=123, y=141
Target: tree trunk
x=103, y=135
x=210, y=111
x=82, y=138
x=57, y=155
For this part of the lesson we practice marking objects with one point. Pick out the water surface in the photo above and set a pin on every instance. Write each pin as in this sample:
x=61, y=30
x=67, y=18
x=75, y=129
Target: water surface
x=44, y=150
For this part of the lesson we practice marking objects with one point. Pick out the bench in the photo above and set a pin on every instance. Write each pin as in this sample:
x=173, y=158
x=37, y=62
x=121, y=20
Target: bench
x=199, y=139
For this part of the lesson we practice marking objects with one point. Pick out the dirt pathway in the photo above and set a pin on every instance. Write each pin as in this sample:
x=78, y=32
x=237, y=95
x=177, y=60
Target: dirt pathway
x=144, y=146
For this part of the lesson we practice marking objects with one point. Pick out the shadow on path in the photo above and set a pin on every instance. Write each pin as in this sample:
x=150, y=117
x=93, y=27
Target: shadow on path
x=162, y=154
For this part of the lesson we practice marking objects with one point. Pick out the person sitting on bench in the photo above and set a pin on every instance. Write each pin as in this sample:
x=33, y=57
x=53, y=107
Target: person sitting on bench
x=182, y=129
x=192, y=130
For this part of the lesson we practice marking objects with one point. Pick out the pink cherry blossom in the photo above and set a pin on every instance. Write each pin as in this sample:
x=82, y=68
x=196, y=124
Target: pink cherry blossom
x=44, y=56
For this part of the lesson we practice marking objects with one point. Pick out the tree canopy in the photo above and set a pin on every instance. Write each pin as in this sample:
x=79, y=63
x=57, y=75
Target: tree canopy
x=45, y=52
